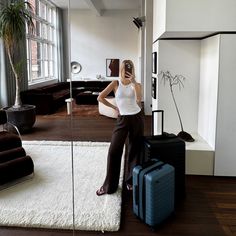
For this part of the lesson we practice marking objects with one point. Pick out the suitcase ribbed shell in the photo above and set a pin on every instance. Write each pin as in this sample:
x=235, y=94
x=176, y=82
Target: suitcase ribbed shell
x=153, y=193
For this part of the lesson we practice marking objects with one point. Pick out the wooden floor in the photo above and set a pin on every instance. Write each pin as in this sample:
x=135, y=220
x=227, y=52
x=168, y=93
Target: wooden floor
x=209, y=208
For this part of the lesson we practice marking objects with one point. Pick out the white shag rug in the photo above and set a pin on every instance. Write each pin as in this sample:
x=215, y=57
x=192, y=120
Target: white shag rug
x=45, y=201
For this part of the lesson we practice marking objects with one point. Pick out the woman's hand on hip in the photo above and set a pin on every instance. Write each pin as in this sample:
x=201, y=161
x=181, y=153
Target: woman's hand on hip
x=117, y=109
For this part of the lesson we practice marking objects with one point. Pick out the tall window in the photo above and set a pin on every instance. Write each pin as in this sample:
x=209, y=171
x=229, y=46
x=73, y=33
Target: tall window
x=41, y=45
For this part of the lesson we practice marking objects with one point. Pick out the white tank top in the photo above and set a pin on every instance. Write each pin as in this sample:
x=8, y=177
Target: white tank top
x=126, y=99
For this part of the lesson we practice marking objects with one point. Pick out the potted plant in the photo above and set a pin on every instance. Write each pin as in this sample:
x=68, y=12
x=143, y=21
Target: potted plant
x=14, y=16
x=176, y=80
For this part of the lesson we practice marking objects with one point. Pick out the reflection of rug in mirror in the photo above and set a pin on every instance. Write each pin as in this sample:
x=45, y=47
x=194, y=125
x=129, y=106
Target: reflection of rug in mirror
x=80, y=110
x=46, y=200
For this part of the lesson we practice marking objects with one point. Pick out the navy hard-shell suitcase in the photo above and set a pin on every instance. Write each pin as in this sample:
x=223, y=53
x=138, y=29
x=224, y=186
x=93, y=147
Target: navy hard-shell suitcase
x=169, y=149
x=153, y=192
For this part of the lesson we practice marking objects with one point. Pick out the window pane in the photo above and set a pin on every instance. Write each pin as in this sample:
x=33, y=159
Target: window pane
x=37, y=9
x=36, y=69
x=53, y=16
x=37, y=28
x=41, y=49
x=32, y=31
x=51, y=68
x=45, y=51
x=50, y=52
x=49, y=15
x=33, y=4
x=43, y=11
x=44, y=31
x=36, y=50
x=53, y=34
x=46, y=68
x=53, y=52
x=50, y=37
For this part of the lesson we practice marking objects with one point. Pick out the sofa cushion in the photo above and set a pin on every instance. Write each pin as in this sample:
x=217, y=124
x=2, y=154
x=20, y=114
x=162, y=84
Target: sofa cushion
x=14, y=169
x=12, y=154
x=86, y=97
x=54, y=87
x=9, y=140
x=61, y=94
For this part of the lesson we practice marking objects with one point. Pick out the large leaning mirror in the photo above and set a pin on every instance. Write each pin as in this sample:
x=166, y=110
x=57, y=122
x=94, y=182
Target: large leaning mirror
x=63, y=69
x=101, y=31
x=36, y=194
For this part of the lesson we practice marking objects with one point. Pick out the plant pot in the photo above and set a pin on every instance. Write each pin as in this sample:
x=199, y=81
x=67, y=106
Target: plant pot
x=23, y=118
x=185, y=136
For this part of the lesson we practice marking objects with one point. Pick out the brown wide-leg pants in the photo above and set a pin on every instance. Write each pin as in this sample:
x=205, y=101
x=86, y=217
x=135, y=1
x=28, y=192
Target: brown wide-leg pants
x=131, y=126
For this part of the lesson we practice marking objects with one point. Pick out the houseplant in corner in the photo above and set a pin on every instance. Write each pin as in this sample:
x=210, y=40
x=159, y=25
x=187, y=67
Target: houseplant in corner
x=14, y=17
x=176, y=80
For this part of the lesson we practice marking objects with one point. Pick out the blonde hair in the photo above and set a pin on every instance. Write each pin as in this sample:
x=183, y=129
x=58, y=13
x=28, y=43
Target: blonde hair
x=122, y=68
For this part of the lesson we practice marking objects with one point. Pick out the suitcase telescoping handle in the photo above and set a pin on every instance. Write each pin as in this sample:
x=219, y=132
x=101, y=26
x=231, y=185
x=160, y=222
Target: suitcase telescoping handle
x=162, y=121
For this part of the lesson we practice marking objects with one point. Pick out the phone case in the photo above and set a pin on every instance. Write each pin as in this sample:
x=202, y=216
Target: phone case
x=128, y=67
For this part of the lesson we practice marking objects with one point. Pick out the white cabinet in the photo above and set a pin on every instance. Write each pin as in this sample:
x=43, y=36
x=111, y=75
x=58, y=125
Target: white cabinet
x=193, y=18
x=159, y=18
x=225, y=145
x=217, y=109
x=208, y=88
x=206, y=103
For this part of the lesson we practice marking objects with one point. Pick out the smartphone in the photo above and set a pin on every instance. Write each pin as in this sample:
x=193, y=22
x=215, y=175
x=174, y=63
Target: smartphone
x=128, y=68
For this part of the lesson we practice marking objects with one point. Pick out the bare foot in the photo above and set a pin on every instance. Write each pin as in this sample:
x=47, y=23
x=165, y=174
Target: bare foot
x=100, y=191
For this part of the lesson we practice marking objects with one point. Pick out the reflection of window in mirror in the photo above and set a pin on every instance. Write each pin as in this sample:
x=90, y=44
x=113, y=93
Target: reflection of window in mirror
x=112, y=67
x=95, y=35
x=47, y=146
x=43, y=56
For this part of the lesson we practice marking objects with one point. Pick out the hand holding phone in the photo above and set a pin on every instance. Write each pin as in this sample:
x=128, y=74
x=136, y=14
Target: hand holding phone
x=128, y=70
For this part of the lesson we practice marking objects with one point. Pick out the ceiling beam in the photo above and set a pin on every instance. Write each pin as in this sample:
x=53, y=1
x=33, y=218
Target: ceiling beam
x=94, y=6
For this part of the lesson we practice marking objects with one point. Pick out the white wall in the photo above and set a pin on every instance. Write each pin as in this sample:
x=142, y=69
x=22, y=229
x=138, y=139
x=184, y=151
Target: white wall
x=209, y=70
x=201, y=15
x=180, y=57
x=95, y=38
x=159, y=18
x=194, y=18
x=225, y=154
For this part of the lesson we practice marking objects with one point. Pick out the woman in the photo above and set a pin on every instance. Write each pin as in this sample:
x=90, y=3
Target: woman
x=129, y=123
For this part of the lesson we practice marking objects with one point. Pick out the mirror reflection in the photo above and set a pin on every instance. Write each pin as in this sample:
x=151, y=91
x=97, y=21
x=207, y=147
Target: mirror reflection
x=102, y=32
x=64, y=65
x=35, y=119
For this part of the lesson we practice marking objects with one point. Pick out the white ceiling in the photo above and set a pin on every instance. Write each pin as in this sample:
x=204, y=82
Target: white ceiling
x=101, y=4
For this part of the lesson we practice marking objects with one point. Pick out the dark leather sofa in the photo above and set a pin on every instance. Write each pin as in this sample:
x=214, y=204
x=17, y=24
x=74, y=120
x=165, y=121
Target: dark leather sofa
x=86, y=92
x=48, y=99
